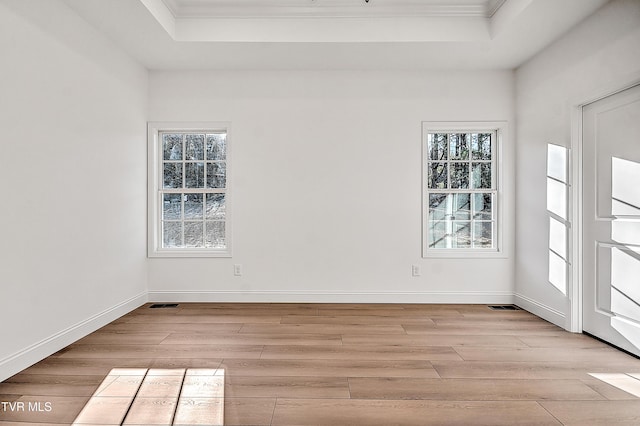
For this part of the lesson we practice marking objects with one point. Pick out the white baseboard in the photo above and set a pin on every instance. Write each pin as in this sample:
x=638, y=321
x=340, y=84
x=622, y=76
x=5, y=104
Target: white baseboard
x=17, y=362
x=341, y=297
x=543, y=311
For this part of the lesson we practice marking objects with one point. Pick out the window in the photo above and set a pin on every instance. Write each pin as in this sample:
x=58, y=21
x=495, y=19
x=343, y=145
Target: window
x=460, y=181
x=557, y=208
x=188, y=194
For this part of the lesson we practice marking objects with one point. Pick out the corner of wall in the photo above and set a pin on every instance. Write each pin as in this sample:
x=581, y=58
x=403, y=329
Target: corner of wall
x=17, y=362
x=543, y=311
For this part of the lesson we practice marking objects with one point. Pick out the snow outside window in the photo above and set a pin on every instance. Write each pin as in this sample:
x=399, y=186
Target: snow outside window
x=189, y=198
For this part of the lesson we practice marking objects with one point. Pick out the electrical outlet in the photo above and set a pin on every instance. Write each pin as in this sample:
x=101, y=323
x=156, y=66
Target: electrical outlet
x=237, y=269
x=415, y=270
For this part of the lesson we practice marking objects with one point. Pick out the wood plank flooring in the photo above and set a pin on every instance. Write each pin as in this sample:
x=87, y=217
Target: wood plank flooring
x=346, y=364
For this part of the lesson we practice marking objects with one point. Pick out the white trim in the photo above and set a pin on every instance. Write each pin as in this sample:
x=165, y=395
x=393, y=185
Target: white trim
x=543, y=311
x=574, y=280
x=331, y=297
x=325, y=9
x=20, y=360
x=575, y=273
x=501, y=129
x=153, y=179
x=163, y=14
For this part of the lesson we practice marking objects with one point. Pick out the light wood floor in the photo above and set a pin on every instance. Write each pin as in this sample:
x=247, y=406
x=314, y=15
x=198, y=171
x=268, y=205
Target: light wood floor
x=348, y=364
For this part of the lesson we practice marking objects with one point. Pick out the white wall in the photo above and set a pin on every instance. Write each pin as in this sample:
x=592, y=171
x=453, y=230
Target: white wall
x=73, y=212
x=600, y=54
x=326, y=184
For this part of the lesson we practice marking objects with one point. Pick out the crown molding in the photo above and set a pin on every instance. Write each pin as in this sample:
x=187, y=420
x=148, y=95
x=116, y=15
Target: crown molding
x=331, y=8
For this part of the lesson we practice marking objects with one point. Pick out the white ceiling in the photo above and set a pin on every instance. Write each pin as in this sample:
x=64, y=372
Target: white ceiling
x=333, y=34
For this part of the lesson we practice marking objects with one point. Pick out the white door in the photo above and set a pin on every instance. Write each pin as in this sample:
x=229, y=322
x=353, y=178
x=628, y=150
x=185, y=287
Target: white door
x=611, y=219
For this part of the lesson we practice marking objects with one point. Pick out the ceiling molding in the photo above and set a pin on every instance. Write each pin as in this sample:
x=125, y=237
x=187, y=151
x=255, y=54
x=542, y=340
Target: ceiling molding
x=321, y=21
x=162, y=14
x=493, y=6
x=331, y=8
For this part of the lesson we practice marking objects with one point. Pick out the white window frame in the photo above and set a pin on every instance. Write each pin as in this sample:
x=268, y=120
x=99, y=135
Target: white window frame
x=155, y=179
x=499, y=129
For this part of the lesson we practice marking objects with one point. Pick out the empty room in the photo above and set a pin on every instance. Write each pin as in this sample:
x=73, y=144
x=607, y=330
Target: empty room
x=320, y=212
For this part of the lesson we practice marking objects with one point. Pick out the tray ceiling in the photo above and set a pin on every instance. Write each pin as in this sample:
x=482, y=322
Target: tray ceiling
x=333, y=34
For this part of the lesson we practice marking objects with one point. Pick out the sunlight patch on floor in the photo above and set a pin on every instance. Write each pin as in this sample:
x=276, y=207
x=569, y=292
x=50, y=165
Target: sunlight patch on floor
x=139, y=396
x=629, y=383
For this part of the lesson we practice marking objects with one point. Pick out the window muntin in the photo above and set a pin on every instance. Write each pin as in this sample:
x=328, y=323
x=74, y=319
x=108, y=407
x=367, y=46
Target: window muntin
x=460, y=191
x=190, y=193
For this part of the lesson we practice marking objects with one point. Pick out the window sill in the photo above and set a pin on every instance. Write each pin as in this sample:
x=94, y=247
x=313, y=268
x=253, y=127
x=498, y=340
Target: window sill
x=195, y=253
x=463, y=254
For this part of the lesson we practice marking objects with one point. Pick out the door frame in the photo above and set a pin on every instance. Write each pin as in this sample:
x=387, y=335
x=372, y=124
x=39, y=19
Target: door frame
x=575, y=278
